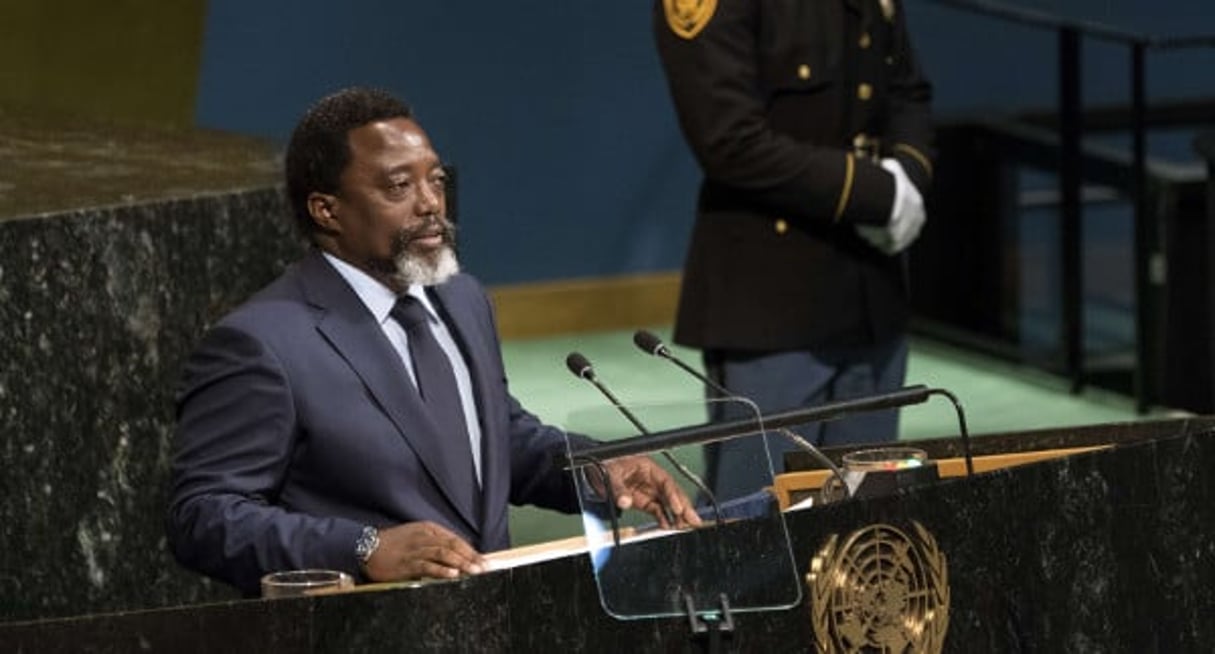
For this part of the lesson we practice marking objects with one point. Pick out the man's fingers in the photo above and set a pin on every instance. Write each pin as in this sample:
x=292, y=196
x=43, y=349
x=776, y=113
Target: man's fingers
x=422, y=549
x=456, y=559
x=655, y=508
x=681, y=508
x=432, y=570
x=440, y=561
x=682, y=511
x=623, y=485
x=639, y=483
x=453, y=552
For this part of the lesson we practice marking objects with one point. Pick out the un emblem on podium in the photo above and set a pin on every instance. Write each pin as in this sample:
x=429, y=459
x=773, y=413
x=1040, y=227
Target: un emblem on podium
x=884, y=589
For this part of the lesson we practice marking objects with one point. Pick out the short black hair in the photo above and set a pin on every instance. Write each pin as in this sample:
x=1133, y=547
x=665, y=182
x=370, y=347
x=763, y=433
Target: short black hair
x=320, y=150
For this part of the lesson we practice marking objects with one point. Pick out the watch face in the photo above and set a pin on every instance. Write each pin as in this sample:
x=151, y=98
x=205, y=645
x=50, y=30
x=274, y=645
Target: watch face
x=368, y=541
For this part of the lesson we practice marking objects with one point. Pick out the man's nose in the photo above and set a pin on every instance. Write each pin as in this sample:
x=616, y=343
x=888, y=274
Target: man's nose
x=430, y=200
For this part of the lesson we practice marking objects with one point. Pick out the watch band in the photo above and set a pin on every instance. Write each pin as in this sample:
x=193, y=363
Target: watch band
x=366, y=545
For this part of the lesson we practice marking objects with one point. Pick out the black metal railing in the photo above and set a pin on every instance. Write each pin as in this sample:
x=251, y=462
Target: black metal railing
x=1070, y=123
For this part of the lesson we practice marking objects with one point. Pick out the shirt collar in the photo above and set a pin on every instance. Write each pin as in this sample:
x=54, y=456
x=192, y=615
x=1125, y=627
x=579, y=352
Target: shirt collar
x=378, y=298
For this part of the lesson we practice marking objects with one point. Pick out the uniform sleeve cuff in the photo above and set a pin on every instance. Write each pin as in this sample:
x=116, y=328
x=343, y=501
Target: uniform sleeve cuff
x=871, y=194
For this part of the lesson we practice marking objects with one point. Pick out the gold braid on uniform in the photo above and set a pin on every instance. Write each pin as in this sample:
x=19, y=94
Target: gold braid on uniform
x=846, y=192
x=917, y=155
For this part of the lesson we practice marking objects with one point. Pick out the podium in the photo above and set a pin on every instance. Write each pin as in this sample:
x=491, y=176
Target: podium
x=1103, y=541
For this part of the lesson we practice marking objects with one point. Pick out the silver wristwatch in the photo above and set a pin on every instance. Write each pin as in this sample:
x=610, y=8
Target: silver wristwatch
x=365, y=546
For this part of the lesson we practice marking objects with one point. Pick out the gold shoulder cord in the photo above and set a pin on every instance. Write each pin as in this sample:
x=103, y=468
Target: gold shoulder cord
x=846, y=192
x=917, y=155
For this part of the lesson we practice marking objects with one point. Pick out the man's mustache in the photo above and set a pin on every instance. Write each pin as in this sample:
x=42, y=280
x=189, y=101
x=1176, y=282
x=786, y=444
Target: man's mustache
x=429, y=227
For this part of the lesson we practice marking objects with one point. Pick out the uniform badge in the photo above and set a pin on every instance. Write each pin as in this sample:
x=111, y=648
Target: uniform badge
x=887, y=9
x=687, y=17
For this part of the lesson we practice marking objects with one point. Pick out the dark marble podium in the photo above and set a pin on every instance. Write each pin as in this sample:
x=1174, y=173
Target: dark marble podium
x=1106, y=551
x=119, y=245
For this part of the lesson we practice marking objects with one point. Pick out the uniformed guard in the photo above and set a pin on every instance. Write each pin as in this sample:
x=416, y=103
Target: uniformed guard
x=811, y=122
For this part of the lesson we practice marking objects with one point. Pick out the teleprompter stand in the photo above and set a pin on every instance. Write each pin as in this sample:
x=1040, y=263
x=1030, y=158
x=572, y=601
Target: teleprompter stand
x=738, y=561
x=709, y=627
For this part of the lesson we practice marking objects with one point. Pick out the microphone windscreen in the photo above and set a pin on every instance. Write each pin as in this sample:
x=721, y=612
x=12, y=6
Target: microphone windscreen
x=578, y=364
x=648, y=342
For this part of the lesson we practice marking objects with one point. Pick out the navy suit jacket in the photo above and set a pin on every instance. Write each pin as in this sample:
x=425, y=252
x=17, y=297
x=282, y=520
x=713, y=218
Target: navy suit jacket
x=298, y=426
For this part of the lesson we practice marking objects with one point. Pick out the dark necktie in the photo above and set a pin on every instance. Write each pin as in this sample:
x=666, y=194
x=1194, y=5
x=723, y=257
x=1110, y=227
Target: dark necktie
x=437, y=385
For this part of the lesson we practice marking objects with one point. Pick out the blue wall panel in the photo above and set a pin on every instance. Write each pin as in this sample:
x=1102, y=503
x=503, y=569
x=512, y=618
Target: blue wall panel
x=557, y=115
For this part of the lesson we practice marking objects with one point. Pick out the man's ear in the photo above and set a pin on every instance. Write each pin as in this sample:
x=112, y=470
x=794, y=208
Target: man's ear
x=323, y=208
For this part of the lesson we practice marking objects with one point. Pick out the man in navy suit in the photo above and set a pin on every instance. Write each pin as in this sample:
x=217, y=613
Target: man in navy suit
x=310, y=431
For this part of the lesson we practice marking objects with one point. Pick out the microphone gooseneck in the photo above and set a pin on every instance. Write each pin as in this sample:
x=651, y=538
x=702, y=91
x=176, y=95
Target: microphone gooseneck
x=582, y=368
x=957, y=408
x=651, y=344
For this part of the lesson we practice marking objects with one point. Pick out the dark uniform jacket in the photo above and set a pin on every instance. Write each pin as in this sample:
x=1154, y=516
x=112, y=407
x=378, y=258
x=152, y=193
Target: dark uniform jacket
x=786, y=105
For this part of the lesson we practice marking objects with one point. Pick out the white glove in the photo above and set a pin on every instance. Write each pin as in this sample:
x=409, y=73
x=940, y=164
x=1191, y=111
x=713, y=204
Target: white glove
x=906, y=214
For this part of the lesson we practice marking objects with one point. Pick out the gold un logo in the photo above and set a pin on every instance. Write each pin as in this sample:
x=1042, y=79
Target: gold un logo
x=883, y=590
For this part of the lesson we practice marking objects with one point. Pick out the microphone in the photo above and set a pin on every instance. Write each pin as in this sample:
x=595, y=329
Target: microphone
x=650, y=344
x=581, y=367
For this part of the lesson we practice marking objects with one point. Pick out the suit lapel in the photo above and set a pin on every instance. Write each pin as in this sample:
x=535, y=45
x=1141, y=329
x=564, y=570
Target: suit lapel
x=352, y=330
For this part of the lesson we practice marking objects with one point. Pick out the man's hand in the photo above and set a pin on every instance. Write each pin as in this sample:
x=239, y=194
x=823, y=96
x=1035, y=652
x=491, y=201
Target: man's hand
x=417, y=550
x=906, y=214
x=639, y=483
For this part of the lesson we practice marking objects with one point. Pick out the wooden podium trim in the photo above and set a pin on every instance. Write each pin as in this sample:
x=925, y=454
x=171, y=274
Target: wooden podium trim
x=539, y=309
x=785, y=485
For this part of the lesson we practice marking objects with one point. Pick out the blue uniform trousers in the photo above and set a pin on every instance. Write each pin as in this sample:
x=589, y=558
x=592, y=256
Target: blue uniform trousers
x=780, y=381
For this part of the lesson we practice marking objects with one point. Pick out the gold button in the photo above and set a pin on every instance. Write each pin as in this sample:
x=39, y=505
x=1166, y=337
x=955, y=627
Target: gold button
x=860, y=140
x=865, y=41
x=781, y=226
x=803, y=71
x=864, y=91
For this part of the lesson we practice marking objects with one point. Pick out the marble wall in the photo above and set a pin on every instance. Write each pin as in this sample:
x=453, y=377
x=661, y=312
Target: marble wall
x=98, y=309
